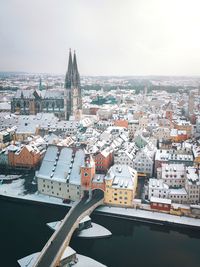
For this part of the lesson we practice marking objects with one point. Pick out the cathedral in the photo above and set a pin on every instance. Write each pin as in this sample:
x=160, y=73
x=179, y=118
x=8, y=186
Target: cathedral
x=63, y=102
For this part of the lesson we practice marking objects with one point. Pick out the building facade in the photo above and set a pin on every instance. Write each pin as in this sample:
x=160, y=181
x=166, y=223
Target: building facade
x=33, y=101
x=120, y=186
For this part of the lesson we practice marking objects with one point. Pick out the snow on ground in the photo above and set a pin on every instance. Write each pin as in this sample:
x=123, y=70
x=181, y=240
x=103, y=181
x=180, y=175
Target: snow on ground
x=16, y=188
x=28, y=261
x=9, y=177
x=84, y=261
x=143, y=214
x=44, y=198
x=54, y=225
x=95, y=231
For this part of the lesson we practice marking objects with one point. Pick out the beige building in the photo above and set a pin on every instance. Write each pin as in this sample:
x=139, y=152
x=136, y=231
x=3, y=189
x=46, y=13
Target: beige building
x=120, y=185
x=161, y=133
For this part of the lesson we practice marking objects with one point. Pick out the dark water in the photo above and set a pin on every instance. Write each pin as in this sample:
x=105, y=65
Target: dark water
x=23, y=231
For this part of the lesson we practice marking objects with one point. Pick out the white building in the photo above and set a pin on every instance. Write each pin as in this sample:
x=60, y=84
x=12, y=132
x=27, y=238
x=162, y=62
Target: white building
x=59, y=174
x=176, y=182
x=157, y=188
x=144, y=160
x=192, y=185
x=172, y=174
x=126, y=154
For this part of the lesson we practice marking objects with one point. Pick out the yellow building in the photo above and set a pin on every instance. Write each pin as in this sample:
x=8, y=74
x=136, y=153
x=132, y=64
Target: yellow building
x=120, y=185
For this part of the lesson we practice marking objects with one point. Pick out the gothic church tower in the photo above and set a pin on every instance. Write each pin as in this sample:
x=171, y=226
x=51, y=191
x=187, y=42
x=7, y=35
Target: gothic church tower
x=72, y=91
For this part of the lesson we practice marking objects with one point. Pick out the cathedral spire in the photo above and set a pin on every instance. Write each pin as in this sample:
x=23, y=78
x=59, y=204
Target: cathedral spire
x=76, y=77
x=69, y=74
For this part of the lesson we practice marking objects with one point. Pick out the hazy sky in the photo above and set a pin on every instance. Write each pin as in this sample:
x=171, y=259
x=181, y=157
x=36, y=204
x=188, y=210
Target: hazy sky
x=111, y=37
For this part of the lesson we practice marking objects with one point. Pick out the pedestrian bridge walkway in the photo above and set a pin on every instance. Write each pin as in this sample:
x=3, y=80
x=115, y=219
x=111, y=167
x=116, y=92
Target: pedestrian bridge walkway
x=53, y=250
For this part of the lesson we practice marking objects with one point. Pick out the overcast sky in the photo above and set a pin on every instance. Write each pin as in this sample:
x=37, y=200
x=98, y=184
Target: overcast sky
x=111, y=37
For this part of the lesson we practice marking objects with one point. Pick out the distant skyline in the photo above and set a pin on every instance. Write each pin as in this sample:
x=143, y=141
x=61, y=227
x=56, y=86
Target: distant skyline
x=111, y=37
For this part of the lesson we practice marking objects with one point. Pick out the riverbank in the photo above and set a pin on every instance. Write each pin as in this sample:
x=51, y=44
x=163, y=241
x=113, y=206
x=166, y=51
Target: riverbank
x=15, y=192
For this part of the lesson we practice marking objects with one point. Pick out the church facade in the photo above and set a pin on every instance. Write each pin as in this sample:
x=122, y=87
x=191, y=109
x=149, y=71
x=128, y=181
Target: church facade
x=63, y=102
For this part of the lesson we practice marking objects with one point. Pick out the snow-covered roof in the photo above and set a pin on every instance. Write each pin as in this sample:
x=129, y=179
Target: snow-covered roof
x=122, y=176
x=62, y=165
x=193, y=175
x=178, y=191
x=157, y=184
x=161, y=200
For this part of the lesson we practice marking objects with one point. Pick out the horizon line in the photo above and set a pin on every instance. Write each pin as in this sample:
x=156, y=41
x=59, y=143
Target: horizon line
x=105, y=75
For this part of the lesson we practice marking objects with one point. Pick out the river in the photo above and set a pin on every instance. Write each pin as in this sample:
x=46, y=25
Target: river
x=23, y=231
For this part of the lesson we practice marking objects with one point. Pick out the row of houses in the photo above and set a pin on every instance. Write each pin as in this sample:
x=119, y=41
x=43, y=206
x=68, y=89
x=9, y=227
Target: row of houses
x=23, y=155
x=66, y=172
x=176, y=182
